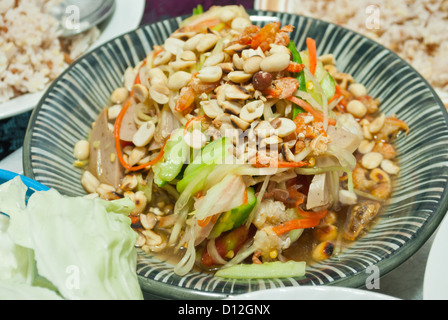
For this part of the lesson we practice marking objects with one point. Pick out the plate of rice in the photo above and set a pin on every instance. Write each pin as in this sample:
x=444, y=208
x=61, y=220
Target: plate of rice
x=32, y=54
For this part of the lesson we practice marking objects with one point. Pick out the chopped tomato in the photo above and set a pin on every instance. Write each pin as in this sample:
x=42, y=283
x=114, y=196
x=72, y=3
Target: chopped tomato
x=230, y=241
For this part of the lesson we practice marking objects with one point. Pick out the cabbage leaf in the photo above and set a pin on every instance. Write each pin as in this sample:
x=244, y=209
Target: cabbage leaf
x=83, y=249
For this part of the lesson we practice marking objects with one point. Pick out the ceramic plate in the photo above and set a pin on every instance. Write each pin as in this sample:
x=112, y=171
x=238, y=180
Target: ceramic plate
x=313, y=293
x=418, y=203
x=125, y=18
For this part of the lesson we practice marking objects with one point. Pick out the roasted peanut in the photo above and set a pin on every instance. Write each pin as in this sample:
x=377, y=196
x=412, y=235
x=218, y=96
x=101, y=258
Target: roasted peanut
x=119, y=95
x=89, y=182
x=390, y=167
x=252, y=110
x=210, y=74
x=326, y=233
x=144, y=134
x=275, y=63
x=261, y=80
x=207, y=42
x=178, y=80
x=239, y=76
x=323, y=251
x=252, y=65
x=81, y=150
x=357, y=90
x=371, y=160
x=357, y=108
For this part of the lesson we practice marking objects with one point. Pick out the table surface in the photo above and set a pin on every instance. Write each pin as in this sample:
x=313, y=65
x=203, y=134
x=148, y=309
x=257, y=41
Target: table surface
x=405, y=282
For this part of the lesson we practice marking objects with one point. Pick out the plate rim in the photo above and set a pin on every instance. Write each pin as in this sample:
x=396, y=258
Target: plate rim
x=406, y=251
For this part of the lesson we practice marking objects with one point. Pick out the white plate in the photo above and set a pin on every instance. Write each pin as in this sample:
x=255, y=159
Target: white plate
x=313, y=293
x=435, y=282
x=124, y=19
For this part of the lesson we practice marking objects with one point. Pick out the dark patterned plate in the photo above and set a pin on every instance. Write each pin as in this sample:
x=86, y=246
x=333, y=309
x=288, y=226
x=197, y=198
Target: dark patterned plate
x=418, y=204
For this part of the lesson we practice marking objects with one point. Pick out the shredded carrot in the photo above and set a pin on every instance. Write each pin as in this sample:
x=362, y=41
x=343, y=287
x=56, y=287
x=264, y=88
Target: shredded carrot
x=336, y=96
x=312, y=214
x=311, y=44
x=300, y=198
x=200, y=194
x=281, y=164
x=341, y=106
x=340, y=93
x=245, y=197
x=190, y=122
x=134, y=219
x=308, y=108
x=286, y=164
x=204, y=222
x=294, y=194
x=156, y=53
x=137, y=78
x=117, y=128
x=295, y=224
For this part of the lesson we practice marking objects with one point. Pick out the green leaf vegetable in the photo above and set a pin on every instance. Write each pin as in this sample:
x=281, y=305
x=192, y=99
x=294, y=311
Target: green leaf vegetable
x=58, y=247
x=198, y=10
x=175, y=154
x=301, y=75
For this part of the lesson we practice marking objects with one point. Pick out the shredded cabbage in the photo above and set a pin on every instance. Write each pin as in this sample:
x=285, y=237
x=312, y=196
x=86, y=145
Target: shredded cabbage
x=79, y=248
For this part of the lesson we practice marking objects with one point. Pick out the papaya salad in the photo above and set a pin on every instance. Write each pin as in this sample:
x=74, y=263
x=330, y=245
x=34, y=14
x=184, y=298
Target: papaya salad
x=244, y=154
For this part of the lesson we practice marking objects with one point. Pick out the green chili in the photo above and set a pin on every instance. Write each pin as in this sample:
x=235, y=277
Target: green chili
x=300, y=76
x=198, y=10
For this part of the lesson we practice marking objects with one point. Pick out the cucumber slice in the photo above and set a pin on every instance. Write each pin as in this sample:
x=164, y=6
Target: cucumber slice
x=213, y=153
x=176, y=152
x=328, y=85
x=266, y=270
x=234, y=218
x=204, y=171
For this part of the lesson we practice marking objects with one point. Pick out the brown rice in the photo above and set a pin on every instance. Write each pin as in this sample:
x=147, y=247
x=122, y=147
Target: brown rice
x=31, y=53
